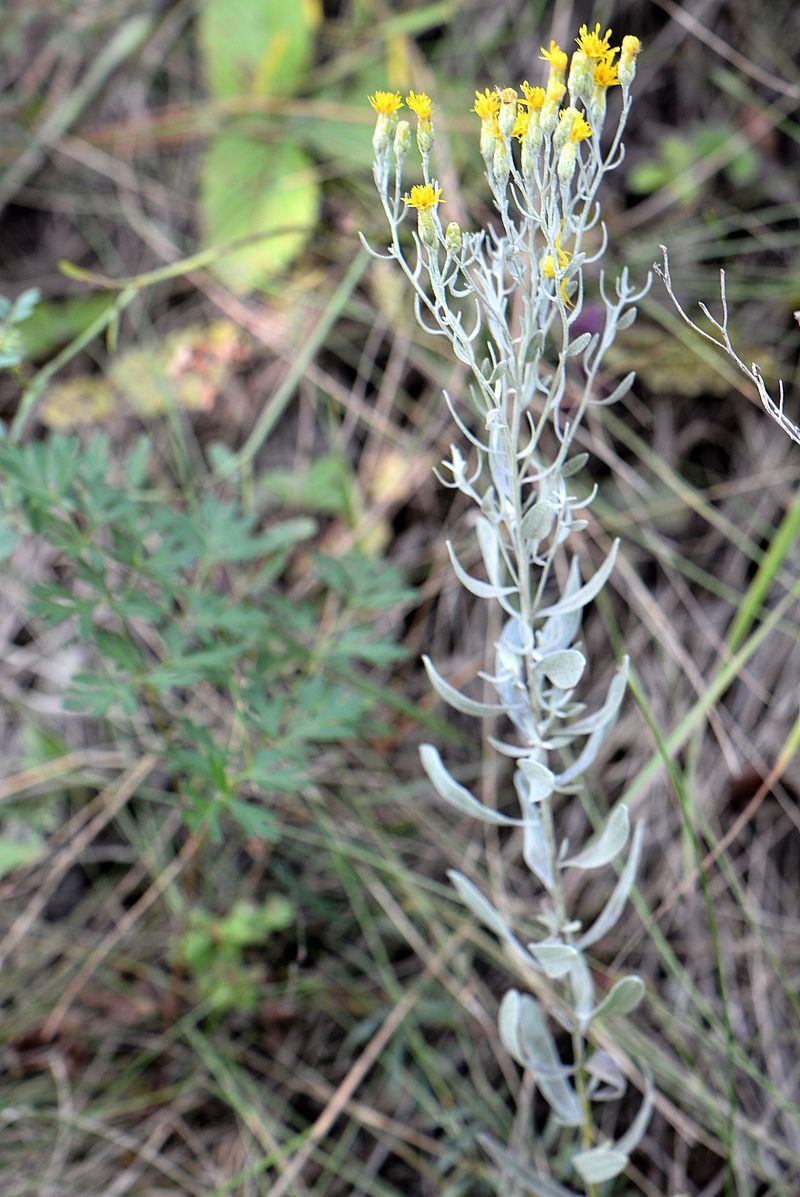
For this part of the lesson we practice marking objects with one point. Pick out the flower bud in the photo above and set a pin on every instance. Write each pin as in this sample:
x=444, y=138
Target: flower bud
x=581, y=80
x=452, y=237
x=565, y=122
x=552, y=103
x=425, y=137
x=508, y=111
x=384, y=132
x=626, y=68
x=402, y=141
x=566, y=163
x=428, y=227
x=501, y=163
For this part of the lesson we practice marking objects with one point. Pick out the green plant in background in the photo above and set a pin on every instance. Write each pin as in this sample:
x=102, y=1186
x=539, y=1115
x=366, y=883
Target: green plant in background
x=192, y=646
x=251, y=183
x=508, y=301
x=214, y=951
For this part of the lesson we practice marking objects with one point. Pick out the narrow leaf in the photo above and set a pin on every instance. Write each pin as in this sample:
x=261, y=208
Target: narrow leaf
x=599, y=1164
x=607, y=845
x=587, y=592
x=457, y=795
x=484, y=590
x=527, y=1178
x=619, y=896
x=621, y=998
x=603, y=716
x=454, y=698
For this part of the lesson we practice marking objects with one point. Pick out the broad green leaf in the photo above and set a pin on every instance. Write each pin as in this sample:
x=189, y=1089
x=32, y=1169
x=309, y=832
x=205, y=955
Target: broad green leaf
x=599, y=1164
x=256, y=47
x=250, y=187
x=14, y=852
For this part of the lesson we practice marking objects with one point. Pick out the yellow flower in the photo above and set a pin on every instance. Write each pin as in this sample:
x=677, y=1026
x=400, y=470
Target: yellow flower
x=630, y=45
x=534, y=96
x=508, y=95
x=549, y=270
x=555, y=56
x=581, y=129
x=385, y=103
x=593, y=45
x=521, y=123
x=555, y=92
x=487, y=104
x=605, y=73
x=423, y=197
x=420, y=104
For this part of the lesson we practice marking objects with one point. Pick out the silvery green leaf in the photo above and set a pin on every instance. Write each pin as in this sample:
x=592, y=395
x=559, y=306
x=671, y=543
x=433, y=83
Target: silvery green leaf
x=484, y=590
x=603, y=717
x=582, y=986
x=457, y=795
x=538, y=520
x=599, y=1164
x=556, y=959
x=626, y=319
x=535, y=848
x=528, y=1038
x=621, y=998
x=521, y=1174
x=563, y=668
x=579, y=344
x=608, y=1081
x=535, y=346
x=620, y=389
x=619, y=895
x=559, y=631
x=574, y=465
x=481, y=907
x=586, y=592
x=608, y=844
x=513, y=750
x=584, y=759
x=539, y=780
x=454, y=698
x=489, y=542
x=633, y=1135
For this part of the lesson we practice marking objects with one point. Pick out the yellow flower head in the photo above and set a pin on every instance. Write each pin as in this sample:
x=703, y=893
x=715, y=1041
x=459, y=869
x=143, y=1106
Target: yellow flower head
x=521, y=123
x=487, y=104
x=605, y=73
x=593, y=45
x=630, y=45
x=562, y=255
x=555, y=92
x=581, y=129
x=420, y=104
x=555, y=56
x=508, y=95
x=534, y=96
x=385, y=103
x=549, y=269
x=423, y=197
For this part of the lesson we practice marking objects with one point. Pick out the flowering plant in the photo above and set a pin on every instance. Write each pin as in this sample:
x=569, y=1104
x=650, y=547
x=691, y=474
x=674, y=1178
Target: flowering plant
x=510, y=300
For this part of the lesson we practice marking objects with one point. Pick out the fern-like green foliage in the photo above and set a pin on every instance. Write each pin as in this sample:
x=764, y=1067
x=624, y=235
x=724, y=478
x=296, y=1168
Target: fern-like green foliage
x=192, y=645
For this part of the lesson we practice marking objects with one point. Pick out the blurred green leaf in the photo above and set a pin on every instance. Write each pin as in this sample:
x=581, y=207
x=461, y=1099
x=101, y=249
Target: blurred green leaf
x=256, y=47
x=249, y=187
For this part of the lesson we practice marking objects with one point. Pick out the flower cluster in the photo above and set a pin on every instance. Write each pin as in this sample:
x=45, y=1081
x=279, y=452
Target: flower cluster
x=507, y=298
